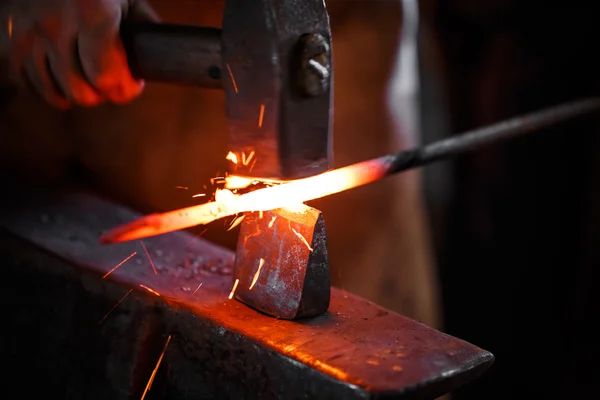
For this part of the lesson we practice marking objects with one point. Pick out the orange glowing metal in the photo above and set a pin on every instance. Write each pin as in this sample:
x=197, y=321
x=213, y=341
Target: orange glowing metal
x=156, y=368
x=232, y=78
x=303, y=239
x=237, y=281
x=154, y=292
x=118, y=265
x=257, y=274
x=115, y=306
x=149, y=258
x=231, y=156
x=227, y=203
x=261, y=116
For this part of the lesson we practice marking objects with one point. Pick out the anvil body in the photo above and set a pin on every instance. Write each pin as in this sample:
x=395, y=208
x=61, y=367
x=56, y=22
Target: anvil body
x=78, y=333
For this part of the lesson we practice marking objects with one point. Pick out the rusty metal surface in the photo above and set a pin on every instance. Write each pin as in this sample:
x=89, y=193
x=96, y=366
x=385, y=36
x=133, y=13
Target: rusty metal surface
x=281, y=263
x=273, y=108
x=220, y=348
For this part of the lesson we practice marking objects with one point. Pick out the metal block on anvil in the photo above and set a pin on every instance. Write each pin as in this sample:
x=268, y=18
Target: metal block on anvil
x=83, y=336
x=281, y=264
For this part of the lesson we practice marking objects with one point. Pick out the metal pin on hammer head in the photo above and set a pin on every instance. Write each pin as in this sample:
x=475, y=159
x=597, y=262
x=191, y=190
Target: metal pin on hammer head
x=282, y=264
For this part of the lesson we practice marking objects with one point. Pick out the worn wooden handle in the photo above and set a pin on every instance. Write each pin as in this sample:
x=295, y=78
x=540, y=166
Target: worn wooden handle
x=179, y=54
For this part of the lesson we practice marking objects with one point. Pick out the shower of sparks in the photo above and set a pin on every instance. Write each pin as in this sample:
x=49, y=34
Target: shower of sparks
x=272, y=222
x=154, y=292
x=302, y=238
x=227, y=203
x=257, y=274
x=156, y=368
x=118, y=265
x=149, y=258
x=232, y=78
x=182, y=187
x=231, y=156
x=261, y=116
x=246, y=160
x=115, y=306
x=237, y=281
x=199, y=195
x=236, y=222
x=200, y=285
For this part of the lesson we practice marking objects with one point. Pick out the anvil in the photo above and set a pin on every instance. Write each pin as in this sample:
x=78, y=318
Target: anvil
x=90, y=321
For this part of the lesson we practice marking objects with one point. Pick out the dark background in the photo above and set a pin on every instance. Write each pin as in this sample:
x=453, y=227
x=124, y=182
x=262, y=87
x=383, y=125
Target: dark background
x=519, y=251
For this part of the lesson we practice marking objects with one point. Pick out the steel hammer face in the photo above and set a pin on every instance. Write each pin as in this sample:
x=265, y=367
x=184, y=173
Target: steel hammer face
x=281, y=264
x=278, y=80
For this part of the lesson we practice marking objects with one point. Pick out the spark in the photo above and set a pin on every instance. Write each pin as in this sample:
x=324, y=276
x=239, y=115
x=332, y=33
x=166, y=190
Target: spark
x=272, y=222
x=397, y=368
x=156, y=368
x=245, y=160
x=115, y=306
x=232, y=78
x=261, y=116
x=198, y=287
x=257, y=274
x=154, y=292
x=202, y=233
x=236, y=222
x=228, y=204
x=199, y=195
x=10, y=26
x=252, y=166
x=118, y=265
x=237, y=281
x=231, y=156
x=303, y=239
x=149, y=258
x=182, y=187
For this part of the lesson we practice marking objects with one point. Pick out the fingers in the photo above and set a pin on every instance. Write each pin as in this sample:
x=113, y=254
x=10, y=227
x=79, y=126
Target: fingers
x=30, y=63
x=38, y=75
x=64, y=68
x=104, y=61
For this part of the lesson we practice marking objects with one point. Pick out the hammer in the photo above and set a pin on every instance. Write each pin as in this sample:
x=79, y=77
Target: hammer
x=273, y=59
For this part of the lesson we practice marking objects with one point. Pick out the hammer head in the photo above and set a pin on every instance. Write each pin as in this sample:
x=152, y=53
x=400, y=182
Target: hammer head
x=278, y=80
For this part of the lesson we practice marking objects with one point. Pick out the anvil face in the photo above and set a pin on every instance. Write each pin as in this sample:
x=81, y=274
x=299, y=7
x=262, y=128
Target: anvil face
x=281, y=263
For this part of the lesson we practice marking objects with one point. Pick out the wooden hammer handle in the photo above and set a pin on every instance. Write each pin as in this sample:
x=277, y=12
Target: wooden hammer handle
x=178, y=54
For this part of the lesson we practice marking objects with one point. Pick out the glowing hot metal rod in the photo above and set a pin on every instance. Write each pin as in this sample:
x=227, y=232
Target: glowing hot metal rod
x=299, y=191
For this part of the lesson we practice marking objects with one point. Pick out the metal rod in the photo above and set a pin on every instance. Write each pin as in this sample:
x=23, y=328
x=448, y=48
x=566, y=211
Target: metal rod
x=478, y=138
